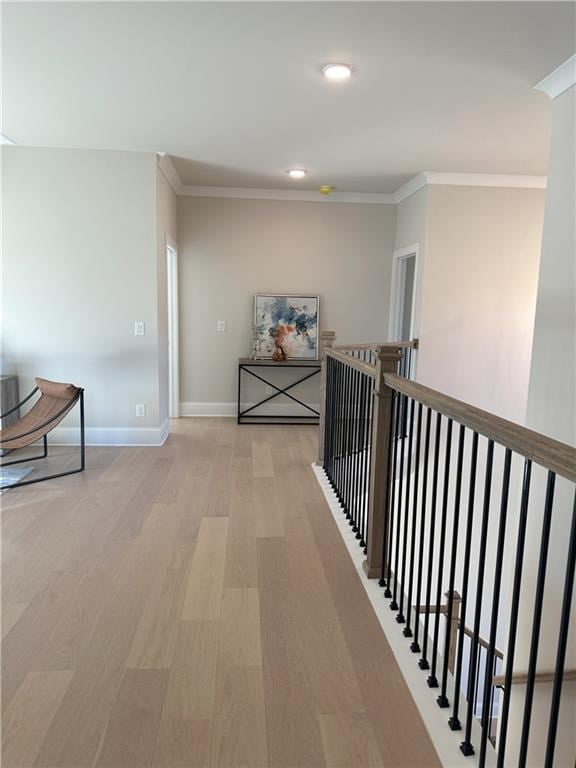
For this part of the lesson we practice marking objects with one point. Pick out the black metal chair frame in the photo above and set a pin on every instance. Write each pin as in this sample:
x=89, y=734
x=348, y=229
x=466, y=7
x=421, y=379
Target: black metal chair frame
x=79, y=398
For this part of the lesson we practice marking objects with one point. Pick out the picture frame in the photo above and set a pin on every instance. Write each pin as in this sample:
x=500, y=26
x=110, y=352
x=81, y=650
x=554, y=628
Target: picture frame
x=288, y=320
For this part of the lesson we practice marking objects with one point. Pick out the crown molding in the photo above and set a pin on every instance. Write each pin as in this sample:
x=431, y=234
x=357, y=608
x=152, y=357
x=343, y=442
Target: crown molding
x=296, y=195
x=433, y=178
x=560, y=80
x=421, y=180
x=410, y=187
x=169, y=172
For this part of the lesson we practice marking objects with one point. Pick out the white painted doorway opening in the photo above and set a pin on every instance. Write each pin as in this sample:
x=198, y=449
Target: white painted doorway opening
x=403, y=321
x=173, y=336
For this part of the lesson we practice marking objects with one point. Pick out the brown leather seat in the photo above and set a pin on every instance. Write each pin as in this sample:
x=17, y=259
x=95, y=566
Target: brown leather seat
x=55, y=401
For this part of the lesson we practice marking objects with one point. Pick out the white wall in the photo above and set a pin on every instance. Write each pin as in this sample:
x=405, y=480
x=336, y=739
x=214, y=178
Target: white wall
x=79, y=267
x=552, y=398
x=231, y=248
x=552, y=410
x=479, y=255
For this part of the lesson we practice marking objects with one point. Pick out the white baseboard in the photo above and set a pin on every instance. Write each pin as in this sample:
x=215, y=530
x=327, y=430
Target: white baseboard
x=446, y=742
x=231, y=409
x=208, y=409
x=153, y=436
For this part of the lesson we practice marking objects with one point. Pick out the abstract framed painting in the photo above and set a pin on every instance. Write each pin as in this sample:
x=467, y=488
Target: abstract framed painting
x=289, y=321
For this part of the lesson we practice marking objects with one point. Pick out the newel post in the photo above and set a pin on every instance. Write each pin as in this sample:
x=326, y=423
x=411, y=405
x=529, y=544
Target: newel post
x=386, y=361
x=327, y=340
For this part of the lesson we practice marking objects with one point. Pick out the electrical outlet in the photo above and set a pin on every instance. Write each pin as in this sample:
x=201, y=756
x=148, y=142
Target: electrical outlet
x=139, y=328
x=140, y=410
x=221, y=326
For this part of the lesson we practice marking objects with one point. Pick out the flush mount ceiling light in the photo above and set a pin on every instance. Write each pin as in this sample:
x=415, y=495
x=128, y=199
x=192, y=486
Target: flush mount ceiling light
x=337, y=71
x=296, y=173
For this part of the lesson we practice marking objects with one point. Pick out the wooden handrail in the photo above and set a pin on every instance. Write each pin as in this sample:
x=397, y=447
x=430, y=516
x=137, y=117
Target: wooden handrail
x=368, y=368
x=540, y=677
x=551, y=454
x=413, y=344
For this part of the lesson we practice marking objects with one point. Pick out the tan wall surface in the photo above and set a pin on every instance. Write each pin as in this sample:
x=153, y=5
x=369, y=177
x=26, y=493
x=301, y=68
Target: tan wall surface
x=231, y=249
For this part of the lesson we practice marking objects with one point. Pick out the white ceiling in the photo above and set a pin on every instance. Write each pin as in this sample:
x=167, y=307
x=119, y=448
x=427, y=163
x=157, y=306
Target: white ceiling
x=233, y=91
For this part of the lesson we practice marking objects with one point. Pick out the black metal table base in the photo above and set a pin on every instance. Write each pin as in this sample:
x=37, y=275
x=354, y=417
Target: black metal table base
x=247, y=416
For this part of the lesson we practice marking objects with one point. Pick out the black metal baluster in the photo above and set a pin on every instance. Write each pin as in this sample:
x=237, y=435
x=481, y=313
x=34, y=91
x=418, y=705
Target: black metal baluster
x=350, y=388
x=415, y=647
x=394, y=603
x=356, y=451
x=400, y=618
x=490, y=653
x=521, y=540
x=423, y=663
x=466, y=746
x=407, y=631
x=432, y=679
x=389, y=491
x=329, y=458
x=341, y=431
x=337, y=400
x=536, y=626
x=359, y=454
x=352, y=451
x=442, y=700
x=369, y=457
x=454, y=721
x=365, y=462
x=395, y=425
x=562, y=642
x=328, y=418
x=345, y=452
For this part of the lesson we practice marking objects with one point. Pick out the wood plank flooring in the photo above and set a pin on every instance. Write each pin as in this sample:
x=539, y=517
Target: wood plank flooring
x=194, y=605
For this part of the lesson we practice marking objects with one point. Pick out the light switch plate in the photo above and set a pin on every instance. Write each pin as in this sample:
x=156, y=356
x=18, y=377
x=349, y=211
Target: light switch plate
x=139, y=328
x=221, y=326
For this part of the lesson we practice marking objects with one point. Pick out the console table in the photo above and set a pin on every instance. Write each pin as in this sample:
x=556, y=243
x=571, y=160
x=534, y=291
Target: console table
x=260, y=370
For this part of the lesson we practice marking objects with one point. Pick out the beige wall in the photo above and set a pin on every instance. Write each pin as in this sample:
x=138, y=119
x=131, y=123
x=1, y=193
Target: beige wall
x=479, y=273
x=166, y=228
x=79, y=267
x=230, y=249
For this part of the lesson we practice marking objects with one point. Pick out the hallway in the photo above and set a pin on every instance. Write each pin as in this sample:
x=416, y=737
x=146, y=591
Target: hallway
x=194, y=605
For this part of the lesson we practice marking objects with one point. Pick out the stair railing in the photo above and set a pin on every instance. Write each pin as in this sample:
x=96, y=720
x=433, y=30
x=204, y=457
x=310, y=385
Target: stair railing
x=443, y=497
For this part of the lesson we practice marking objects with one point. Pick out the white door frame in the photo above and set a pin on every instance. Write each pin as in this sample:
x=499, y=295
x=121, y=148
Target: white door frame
x=173, y=335
x=397, y=292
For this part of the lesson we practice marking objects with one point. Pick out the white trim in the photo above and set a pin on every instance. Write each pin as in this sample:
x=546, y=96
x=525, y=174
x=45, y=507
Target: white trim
x=433, y=178
x=560, y=80
x=302, y=196
x=446, y=742
x=231, y=409
x=419, y=181
x=486, y=180
x=208, y=409
x=171, y=250
x=153, y=436
x=398, y=278
x=412, y=186
x=169, y=172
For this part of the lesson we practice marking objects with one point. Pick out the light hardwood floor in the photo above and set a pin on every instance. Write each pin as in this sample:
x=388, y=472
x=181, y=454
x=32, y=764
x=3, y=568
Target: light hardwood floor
x=194, y=605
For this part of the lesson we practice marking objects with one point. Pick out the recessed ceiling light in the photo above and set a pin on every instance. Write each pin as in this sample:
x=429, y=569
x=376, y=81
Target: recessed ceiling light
x=296, y=173
x=337, y=71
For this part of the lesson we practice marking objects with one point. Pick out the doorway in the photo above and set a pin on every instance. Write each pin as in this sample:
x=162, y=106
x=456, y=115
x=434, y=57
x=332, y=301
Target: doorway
x=403, y=298
x=173, y=342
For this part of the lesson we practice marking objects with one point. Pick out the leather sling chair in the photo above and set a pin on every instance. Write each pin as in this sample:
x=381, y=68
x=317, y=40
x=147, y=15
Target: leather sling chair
x=55, y=402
